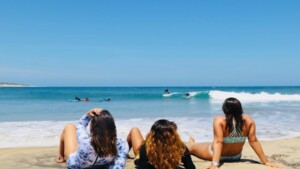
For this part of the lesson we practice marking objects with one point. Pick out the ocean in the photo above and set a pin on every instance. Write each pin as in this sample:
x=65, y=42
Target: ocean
x=35, y=116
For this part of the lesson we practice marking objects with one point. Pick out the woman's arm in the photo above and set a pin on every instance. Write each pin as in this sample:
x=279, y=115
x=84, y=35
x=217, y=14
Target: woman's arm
x=256, y=146
x=120, y=160
x=81, y=131
x=254, y=143
x=218, y=142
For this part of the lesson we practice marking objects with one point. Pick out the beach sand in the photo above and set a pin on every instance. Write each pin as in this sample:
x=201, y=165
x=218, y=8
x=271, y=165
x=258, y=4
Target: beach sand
x=286, y=151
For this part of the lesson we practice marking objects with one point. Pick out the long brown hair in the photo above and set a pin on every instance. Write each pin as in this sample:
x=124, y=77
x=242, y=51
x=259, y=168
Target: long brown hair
x=163, y=145
x=103, y=134
x=232, y=109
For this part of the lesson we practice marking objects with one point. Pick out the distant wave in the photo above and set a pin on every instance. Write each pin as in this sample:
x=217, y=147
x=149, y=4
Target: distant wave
x=170, y=94
x=194, y=94
x=200, y=94
x=216, y=95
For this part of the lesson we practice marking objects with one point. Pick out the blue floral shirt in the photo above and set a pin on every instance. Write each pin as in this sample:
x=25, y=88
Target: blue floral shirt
x=85, y=155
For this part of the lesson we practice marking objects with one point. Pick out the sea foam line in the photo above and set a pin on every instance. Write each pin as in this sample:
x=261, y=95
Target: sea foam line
x=216, y=95
x=47, y=133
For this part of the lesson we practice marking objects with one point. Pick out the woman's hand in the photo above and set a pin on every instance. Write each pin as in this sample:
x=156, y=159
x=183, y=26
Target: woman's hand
x=212, y=167
x=274, y=164
x=94, y=111
x=60, y=159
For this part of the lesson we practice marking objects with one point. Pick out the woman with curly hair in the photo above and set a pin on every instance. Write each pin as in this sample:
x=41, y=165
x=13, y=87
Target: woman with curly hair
x=162, y=149
x=99, y=146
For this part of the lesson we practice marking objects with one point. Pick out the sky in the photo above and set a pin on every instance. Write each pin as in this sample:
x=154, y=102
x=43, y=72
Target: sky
x=150, y=43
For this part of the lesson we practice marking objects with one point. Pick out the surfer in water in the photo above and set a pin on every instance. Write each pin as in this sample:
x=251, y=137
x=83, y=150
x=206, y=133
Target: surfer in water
x=77, y=98
x=105, y=100
x=108, y=99
x=166, y=91
x=187, y=95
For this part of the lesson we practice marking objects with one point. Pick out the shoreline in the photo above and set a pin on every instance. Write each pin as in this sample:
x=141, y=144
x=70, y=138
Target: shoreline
x=285, y=151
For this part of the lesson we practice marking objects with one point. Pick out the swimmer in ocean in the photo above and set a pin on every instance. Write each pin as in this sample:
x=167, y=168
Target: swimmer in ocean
x=106, y=100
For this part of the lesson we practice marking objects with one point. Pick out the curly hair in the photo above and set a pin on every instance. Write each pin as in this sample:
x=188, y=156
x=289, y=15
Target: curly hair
x=103, y=134
x=164, y=147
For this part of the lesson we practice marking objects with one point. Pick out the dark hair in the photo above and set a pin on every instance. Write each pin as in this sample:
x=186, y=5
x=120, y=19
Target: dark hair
x=163, y=142
x=232, y=109
x=161, y=126
x=103, y=134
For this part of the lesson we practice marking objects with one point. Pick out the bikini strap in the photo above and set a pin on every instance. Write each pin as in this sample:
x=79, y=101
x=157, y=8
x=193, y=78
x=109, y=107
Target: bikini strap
x=235, y=132
x=96, y=159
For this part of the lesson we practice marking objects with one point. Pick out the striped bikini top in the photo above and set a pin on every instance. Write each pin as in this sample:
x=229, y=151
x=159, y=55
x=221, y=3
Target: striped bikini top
x=235, y=136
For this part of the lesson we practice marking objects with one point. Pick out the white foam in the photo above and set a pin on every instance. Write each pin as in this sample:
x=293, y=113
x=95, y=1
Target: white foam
x=218, y=96
x=170, y=94
x=47, y=133
x=199, y=128
x=193, y=94
x=30, y=134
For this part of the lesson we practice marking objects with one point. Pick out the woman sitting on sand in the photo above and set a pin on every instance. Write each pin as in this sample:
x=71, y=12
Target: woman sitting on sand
x=230, y=133
x=99, y=147
x=162, y=149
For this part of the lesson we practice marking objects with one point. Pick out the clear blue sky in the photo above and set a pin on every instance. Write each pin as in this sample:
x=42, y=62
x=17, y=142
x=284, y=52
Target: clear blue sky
x=150, y=43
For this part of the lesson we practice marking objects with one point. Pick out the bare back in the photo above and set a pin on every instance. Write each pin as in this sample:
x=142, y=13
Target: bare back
x=220, y=132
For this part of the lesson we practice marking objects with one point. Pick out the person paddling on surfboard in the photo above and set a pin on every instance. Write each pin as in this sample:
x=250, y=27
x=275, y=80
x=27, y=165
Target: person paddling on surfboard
x=187, y=95
x=166, y=91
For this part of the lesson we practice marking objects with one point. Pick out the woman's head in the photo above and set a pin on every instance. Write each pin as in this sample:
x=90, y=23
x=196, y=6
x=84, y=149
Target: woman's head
x=103, y=134
x=233, y=110
x=163, y=127
x=163, y=142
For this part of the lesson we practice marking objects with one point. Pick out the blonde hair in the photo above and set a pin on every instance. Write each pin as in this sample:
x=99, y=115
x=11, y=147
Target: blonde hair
x=164, y=147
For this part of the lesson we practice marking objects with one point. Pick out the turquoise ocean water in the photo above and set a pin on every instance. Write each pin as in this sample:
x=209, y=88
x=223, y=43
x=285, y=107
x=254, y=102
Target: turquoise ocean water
x=35, y=116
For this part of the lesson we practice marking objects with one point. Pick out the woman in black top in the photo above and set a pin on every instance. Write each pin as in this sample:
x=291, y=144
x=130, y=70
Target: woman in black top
x=162, y=149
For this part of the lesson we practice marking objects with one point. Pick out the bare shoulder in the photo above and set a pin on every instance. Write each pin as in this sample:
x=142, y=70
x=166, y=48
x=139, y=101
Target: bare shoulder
x=246, y=116
x=248, y=119
x=219, y=119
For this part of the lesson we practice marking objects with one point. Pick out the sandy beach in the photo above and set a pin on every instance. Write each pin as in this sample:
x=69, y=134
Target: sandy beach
x=286, y=151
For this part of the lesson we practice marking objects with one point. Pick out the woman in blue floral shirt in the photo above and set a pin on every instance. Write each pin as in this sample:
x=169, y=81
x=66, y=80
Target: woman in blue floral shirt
x=99, y=147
